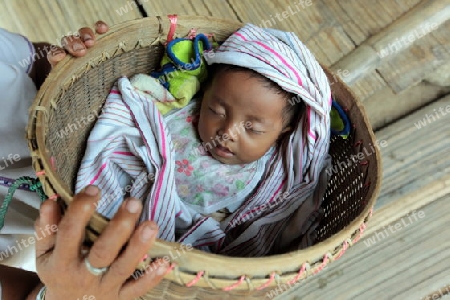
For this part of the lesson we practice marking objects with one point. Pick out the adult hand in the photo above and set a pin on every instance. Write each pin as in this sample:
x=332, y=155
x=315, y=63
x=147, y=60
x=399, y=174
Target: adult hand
x=47, y=56
x=61, y=265
x=77, y=44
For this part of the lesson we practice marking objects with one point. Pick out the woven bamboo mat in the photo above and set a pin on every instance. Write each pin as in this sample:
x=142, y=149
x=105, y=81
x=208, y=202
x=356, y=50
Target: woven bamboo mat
x=215, y=8
x=49, y=20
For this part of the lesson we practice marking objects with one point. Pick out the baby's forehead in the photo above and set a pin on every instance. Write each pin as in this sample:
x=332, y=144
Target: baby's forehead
x=250, y=91
x=257, y=110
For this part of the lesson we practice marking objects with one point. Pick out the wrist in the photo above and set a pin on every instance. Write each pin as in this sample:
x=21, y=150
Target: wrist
x=41, y=66
x=48, y=295
x=41, y=293
x=33, y=294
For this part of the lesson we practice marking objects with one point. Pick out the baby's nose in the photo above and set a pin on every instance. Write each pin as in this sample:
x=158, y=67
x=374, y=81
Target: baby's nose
x=227, y=135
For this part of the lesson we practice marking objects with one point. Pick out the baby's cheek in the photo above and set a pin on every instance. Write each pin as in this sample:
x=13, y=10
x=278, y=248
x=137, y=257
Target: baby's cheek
x=250, y=152
x=202, y=129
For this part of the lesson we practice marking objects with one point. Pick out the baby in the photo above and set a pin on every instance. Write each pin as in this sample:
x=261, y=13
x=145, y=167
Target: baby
x=263, y=168
x=241, y=118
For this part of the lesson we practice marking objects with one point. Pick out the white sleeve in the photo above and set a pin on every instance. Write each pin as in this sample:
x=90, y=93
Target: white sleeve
x=16, y=50
x=17, y=91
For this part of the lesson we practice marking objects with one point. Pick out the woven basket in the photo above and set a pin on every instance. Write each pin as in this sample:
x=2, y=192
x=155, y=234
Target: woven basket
x=77, y=89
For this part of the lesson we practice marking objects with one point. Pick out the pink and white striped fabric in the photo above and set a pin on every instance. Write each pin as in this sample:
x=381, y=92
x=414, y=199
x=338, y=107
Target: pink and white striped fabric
x=131, y=141
x=129, y=152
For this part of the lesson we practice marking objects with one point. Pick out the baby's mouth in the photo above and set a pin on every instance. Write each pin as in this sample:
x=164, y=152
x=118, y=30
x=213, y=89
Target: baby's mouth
x=223, y=151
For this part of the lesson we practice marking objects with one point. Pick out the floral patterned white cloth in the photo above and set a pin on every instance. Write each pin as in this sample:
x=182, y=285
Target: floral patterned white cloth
x=202, y=182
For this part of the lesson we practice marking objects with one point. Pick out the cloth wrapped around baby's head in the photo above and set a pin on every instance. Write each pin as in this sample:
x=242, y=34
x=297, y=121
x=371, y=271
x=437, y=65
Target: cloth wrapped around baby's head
x=282, y=57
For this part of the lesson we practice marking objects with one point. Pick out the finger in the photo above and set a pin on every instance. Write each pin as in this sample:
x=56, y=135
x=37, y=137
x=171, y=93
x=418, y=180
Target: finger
x=87, y=36
x=101, y=27
x=72, y=226
x=46, y=227
x=55, y=55
x=138, y=287
x=116, y=234
x=74, y=45
x=141, y=241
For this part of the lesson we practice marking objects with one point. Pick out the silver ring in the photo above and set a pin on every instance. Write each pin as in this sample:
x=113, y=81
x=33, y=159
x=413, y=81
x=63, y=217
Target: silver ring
x=94, y=271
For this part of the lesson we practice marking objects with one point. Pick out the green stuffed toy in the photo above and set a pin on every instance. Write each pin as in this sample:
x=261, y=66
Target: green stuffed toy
x=340, y=122
x=183, y=69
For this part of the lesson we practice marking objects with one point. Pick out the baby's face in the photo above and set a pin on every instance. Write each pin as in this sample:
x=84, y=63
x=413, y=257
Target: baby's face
x=240, y=118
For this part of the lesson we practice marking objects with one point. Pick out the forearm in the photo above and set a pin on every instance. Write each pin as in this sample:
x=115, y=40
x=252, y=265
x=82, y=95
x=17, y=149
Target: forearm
x=41, y=67
x=18, y=284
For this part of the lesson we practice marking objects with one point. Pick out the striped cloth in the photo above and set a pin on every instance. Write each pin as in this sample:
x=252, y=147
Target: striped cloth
x=129, y=152
x=131, y=141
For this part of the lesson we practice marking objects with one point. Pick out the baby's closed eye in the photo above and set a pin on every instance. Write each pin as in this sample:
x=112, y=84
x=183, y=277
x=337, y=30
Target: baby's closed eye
x=215, y=112
x=252, y=130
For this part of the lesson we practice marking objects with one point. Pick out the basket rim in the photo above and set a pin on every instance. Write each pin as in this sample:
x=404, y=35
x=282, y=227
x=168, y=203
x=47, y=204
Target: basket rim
x=287, y=267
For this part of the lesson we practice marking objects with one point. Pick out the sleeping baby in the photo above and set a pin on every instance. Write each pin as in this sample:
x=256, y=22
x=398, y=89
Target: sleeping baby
x=239, y=170
x=223, y=141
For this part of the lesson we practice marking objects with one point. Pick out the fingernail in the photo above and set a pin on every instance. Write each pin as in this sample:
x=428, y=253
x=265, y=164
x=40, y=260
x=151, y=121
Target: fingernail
x=78, y=47
x=147, y=233
x=100, y=24
x=56, y=52
x=87, y=37
x=133, y=206
x=91, y=190
x=101, y=27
